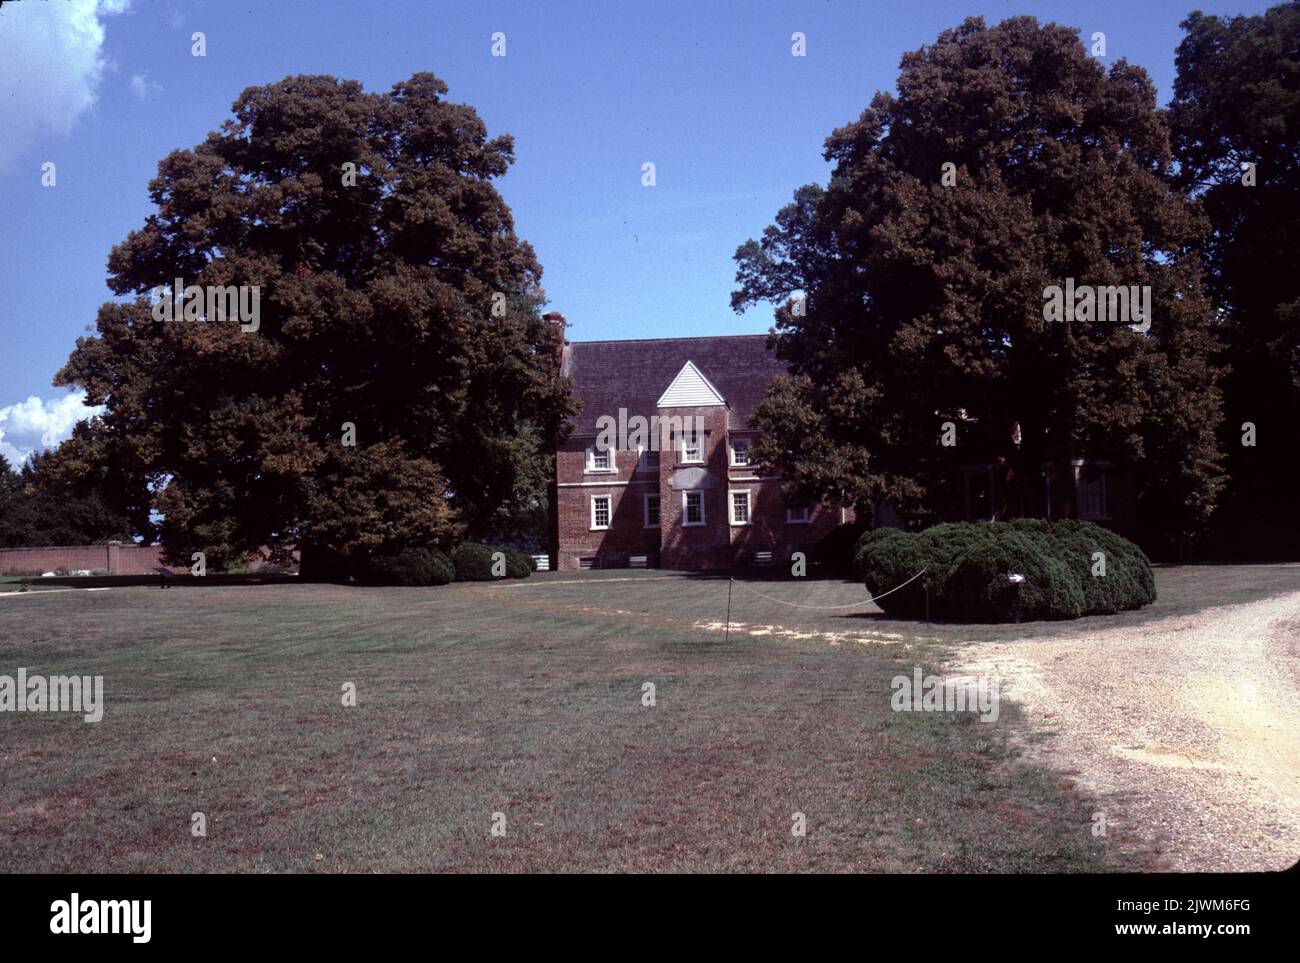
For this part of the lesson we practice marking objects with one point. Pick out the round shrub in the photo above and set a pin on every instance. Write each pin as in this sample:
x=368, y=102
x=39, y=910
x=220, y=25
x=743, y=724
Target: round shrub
x=519, y=564
x=412, y=566
x=968, y=563
x=977, y=588
x=1128, y=582
x=886, y=558
x=473, y=562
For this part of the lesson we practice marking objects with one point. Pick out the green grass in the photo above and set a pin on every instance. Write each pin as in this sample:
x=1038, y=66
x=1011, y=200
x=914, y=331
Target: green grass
x=523, y=698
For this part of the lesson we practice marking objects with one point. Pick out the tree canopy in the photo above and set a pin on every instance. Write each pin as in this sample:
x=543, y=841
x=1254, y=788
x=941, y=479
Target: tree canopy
x=1236, y=132
x=908, y=299
x=394, y=297
x=30, y=515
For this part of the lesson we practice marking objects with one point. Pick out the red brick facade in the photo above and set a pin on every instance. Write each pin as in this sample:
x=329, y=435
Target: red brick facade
x=114, y=558
x=601, y=514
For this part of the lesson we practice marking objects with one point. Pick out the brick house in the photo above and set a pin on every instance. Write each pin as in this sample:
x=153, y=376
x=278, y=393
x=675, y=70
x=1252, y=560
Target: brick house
x=698, y=503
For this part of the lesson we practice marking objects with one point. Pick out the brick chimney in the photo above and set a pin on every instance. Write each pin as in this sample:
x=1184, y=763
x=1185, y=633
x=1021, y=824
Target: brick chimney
x=556, y=319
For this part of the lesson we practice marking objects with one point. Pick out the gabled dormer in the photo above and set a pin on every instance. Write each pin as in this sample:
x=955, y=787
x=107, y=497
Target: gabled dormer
x=690, y=389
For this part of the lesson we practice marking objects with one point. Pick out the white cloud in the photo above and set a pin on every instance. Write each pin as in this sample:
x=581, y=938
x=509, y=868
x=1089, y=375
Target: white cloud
x=51, y=64
x=35, y=424
x=143, y=87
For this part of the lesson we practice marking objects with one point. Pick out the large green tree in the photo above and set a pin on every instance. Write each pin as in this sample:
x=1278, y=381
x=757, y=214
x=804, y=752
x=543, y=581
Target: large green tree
x=31, y=515
x=1236, y=120
x=905, y=301
x=394, y=297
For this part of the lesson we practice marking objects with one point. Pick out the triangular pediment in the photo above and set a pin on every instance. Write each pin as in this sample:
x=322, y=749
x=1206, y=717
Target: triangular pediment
x=690, y=389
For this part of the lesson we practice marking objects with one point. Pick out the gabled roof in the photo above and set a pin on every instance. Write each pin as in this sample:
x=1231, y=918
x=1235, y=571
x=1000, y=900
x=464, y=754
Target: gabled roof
x=690, y=389
x=636, y=375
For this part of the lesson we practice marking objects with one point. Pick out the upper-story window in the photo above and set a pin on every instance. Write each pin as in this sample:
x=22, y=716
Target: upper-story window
x=740, y=451
x=648, y=461
x=600, y=460
x=692, y=448
x=797, y=515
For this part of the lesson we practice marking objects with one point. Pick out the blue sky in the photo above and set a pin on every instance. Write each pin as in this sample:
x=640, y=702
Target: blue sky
x=707, y=91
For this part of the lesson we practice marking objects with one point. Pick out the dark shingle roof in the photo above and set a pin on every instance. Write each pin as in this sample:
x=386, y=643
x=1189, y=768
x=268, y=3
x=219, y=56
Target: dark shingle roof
x=608, y=375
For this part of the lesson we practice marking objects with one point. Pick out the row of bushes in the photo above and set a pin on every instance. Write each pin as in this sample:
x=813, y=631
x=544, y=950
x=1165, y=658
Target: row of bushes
x=468, y=562
x=967, y=566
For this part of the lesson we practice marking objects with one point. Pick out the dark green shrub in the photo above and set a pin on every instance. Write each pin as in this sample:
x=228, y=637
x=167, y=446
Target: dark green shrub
x=1128, y=582
x=412, y=566
x=968, y=563
x=473, y=562
x=886, y=558
x=519, y=564
x=977, y=589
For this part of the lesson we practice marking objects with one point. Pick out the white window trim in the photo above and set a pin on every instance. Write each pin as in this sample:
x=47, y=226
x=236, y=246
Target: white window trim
x=681, y=452
x=749, y=447
x=645, y=510
x=594, y=499
x=703, y=514
x=731, y=506
x=807, y=517
x=590, y=464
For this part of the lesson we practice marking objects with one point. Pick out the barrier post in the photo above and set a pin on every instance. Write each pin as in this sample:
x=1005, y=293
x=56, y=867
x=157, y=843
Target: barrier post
x=728, y=635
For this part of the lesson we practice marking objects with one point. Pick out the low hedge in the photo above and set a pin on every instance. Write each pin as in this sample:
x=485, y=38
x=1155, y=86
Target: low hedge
x=967, y=566
x=473, y=562
x=412, y=566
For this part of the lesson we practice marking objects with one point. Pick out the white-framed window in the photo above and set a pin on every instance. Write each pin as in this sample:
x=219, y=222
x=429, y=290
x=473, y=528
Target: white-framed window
x=648, y=460
x=599, y=460
x=797, y=515
x=692, y=508
x=601, y=511
x=740, y=451
x=739, y=506
x=652, y=510
x=692, y=448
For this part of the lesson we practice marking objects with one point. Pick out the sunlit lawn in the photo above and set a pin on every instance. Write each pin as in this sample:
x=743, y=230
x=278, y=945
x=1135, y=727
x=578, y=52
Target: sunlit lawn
x=525, y=699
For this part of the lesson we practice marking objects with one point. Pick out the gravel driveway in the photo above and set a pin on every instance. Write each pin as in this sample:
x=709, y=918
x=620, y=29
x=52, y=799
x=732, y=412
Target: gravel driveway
x=1188, y=728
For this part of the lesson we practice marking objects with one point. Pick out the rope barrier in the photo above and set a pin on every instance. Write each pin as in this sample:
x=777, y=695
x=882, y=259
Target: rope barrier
x=851, y=605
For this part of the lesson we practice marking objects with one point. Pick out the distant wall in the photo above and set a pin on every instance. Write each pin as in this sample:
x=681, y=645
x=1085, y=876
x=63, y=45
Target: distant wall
x=119, y=558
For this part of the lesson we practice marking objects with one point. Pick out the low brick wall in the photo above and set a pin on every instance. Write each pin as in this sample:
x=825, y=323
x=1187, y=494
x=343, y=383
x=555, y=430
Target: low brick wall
x=115, y=558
